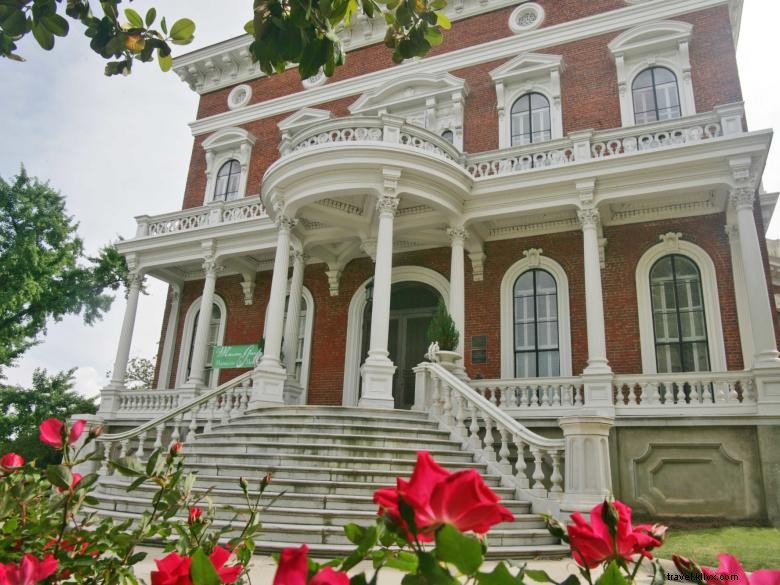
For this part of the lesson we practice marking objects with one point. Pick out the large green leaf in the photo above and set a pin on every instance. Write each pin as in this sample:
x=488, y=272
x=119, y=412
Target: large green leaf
x=59, y=476
x=500, y=576
x=465, y=552
x=134, y=18
x=182, y=31
x=612, y=576
x=55, y=24
x=202, y=572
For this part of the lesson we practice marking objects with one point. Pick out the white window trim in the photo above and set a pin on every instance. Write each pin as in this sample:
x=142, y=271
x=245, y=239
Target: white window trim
x=527, y=73
x=186, y=342
x=219, y=148
x=308, y=327
x=672, y=244
x=357, y=306
x=656, y=44
x=530, y=262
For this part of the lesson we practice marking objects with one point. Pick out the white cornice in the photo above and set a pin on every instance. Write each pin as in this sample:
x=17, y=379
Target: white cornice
x=551, y=36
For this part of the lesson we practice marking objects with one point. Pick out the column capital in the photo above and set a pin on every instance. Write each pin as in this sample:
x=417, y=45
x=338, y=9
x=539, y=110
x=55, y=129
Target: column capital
x=387, y=205
x=742, y=197
x=135, y=279
x=298, y=256
x=732, y=231
x=285, y=222
x=457, y=235
x=588, y=217
x=211, y=266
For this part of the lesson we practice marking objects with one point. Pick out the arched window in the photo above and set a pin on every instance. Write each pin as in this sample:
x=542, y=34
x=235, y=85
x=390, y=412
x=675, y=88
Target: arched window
x=303, y=343
x=228, y=179
x=679, y=320
x=536, y=345
x=214, y=338
x=448, y=136
x=655, y=95
x=530, y=119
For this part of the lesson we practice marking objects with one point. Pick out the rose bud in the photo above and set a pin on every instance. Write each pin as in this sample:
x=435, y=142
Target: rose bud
x=688, y=568
x=243, y=483
x=555, y=528
x=610, y=516
x=194, y=515
x=175, y=449
x=95, y=432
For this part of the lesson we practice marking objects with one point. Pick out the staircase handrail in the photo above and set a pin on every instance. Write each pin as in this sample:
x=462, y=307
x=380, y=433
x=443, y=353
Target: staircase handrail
x=510, y=423
x=180, y=410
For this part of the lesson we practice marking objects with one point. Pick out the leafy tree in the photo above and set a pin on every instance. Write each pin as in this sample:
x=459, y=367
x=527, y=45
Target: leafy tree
x=301, y=32
x=442, y=329
x=44, y=272
x=23, y=409
x=139, y=373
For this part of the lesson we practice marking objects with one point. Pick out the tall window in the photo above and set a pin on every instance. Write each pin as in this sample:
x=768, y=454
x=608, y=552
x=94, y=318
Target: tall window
x=655, y=95
x=300, y=345
x=213, y=339
x=537, y=351
x=530, y=119
x=679, y=322
x=228, y=178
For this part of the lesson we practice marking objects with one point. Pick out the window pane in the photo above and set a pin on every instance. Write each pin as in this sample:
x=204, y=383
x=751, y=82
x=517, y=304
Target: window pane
x=655, y=95
x=530, y=119
x=536, y=324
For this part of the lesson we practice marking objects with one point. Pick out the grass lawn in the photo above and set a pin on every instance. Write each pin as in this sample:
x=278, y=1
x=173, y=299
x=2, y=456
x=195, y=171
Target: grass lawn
x=756, y=548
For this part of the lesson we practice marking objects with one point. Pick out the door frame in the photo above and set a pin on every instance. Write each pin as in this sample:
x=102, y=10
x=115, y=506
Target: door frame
x=403, y=316
x=352, y=359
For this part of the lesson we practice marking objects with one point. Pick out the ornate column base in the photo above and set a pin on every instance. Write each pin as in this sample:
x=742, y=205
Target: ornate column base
x=598, y=393
x=588, y=474
x=377, y=391
x=109, y=399
x=267, y=387
x=767, y=390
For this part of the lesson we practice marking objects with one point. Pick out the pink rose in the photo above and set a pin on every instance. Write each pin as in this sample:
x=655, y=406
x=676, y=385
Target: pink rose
x=439, y=497
x=293, y=568
x=592, y=544
x=729, y=565
x=51, y=432
x=194, y=515
x=29, y=571
x=218, y=557
x=174, y=569
x=11, y=462
x=328, y=576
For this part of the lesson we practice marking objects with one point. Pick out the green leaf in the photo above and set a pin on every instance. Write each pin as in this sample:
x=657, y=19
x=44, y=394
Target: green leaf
x=612, y=576
x=43, y=36
x=465, y=552
x=134, y=18
x=164, y=26
x=500, y=576
x=15, y=24
x=539, y=576
x=128, y=465
x=354, y=533
x=403, y=561
x=182, y=31
x=434, y=36
x=443, y=21
x=202, y=571
x=55, y=24
x=59, y=476
x=151, y=15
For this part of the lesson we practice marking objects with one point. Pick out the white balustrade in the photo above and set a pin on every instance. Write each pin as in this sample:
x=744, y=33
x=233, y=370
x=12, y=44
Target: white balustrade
x=506, y=163
x=177, y=422
x=539, y=394
x=641, y=141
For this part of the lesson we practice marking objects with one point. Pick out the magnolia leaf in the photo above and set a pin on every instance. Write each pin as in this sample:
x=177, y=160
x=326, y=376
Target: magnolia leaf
x=43, y=35
x=151, y=15
x=55, y=24
x=182, y=31
x=465, y=552
x=134, y=18
x=443, y=21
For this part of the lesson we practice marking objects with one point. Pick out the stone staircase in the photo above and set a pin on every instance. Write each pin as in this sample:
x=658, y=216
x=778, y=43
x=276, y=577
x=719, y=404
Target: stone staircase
x=328, y=461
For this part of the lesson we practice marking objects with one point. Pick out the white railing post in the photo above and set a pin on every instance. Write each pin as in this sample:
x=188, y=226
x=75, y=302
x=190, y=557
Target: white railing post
x=588, y=476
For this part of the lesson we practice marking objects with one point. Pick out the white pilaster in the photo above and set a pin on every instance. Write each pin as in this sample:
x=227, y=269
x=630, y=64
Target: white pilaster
x=587, y=466
x=135, y=281
x=377, y=371
x=457, y=237
x=292, y=388
x=594, y=301
x=761, y=318
x=270, y=375
x=169, y=341
x=740, y=295
x=200, y=348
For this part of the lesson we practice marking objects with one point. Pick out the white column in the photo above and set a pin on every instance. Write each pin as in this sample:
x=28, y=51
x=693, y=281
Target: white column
x=594, y=301
x=761, y=318
x=457, y=310
x=741, y=297
x=169, y=341
x=135, y=280
x=270, y=375
x=292, y=387
x=200, y=348
x=586, y=461
x=378, y=370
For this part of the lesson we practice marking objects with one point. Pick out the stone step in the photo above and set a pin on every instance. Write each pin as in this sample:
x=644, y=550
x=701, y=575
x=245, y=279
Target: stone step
x=204, y=445
x=411, y=431
x=234, y=467
x=319, y=434
x=278, y=513
x=116, y=487
x=278, y=456
x=377, y=422
x=318, y=534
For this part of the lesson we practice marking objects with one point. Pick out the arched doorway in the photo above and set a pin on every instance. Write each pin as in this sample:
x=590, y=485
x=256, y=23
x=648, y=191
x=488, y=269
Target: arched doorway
x=412, y=305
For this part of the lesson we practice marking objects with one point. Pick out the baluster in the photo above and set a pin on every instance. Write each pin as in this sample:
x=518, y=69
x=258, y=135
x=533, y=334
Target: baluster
x=653, y=395
x=549, y=396
x=733, y=396
x=175, y=433
x=511, y=396
x=494, y=396
x=435, y=406
x=158, y=436
x=503, y=452
x=474, y=441
x=748, y=391
x=538, y=475
x=488, y=453
x=227, y=405
x=139, y=452
x=193, y=426
x=557, y=395
x=105, y=468
x=461, y=432
x=123, y=447
x=577, y=396
x=721, y=396
x=209, y=415
x=555, y=478
x=520, y=467
x=446, y=405
x=530, y=396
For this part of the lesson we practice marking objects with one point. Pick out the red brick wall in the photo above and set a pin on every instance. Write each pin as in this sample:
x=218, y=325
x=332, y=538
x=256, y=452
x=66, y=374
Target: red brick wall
x=625, y=245
x=588, y=85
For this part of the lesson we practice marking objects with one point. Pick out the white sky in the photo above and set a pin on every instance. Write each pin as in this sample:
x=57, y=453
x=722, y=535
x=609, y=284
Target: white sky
x=120, y=147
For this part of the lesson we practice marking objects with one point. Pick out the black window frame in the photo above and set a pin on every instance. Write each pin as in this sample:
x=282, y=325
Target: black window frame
x=234, y=168
x=536, y=350
x=654, y=87
x=529, y=113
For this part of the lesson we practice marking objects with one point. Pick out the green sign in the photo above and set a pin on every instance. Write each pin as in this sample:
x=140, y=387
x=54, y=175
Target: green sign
x=234, y=356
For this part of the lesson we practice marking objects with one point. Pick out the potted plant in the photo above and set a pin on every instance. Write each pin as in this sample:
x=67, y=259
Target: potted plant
x=443, y=332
